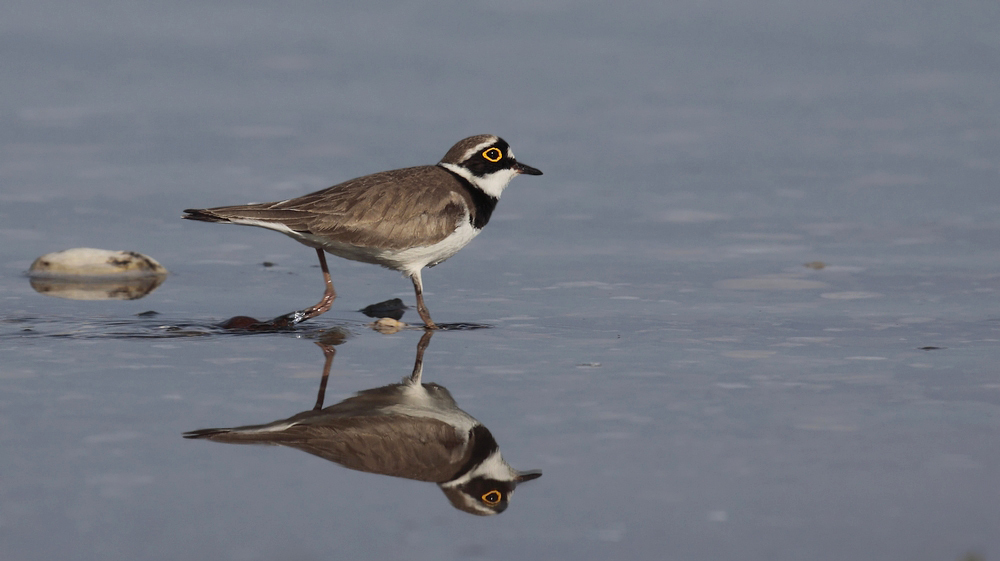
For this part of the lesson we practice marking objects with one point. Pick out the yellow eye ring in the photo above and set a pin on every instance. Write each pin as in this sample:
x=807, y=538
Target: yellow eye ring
x=493, y=154
x=492, y=498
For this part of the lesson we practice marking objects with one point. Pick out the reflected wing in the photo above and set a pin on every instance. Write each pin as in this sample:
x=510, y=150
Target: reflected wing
x=401, y=446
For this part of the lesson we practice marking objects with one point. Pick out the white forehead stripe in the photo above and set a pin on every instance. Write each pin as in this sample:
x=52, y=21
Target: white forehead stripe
x=481, y=146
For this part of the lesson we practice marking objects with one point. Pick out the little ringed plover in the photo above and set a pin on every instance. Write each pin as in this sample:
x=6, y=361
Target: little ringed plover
x=404, y=219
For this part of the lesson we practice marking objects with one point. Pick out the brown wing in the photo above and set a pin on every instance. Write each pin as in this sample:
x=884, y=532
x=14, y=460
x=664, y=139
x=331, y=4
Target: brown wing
x=392, y=209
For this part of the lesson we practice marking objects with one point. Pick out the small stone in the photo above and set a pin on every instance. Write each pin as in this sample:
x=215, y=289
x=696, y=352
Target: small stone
x=388, y=326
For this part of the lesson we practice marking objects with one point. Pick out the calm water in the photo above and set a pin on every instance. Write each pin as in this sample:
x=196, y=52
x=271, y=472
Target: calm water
x=657, y=346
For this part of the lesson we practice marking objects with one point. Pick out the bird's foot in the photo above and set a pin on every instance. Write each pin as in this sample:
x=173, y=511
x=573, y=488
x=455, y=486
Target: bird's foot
x=290, y=319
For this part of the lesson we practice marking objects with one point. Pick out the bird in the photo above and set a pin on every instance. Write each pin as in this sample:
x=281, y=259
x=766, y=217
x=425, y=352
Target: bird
x=404, y=219
x=411, y=430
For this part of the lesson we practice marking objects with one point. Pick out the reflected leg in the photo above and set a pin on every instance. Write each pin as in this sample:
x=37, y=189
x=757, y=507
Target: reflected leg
x=418, y=362
x=328, y=352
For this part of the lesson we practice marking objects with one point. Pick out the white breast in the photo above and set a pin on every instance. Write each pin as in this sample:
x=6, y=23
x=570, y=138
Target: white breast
x=408, y=260
x=415, y=258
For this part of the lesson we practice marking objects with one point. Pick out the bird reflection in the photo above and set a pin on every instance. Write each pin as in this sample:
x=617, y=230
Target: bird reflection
x=411, y=430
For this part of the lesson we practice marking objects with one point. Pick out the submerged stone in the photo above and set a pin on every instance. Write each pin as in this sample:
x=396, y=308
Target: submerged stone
x=81, y=287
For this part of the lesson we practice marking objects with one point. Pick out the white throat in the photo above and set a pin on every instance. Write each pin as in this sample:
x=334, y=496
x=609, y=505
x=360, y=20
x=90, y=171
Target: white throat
x=493, y=467
x=492, y=184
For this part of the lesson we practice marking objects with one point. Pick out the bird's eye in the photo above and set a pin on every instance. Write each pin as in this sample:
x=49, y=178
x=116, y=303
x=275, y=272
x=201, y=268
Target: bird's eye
x=493, y=154
x=492, y=498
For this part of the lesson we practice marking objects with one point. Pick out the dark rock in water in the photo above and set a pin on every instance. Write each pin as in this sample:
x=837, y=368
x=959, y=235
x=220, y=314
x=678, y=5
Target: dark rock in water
x=388, y=309
x=243, y=322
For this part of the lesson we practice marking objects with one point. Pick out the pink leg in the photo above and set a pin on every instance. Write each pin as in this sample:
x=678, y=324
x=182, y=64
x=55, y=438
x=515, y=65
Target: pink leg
x=320, y=307
x=418, y=287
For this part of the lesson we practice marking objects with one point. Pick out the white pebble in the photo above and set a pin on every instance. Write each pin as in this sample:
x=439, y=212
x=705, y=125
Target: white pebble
x=90, y=262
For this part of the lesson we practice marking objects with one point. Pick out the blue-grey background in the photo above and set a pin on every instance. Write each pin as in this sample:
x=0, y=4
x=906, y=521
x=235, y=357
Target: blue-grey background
x=658, y=349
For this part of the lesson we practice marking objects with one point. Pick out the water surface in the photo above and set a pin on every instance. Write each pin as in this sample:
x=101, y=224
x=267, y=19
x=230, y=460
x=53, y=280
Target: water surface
x=657, y=345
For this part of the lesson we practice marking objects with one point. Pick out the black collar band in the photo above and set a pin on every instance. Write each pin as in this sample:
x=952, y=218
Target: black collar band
x=483, y=202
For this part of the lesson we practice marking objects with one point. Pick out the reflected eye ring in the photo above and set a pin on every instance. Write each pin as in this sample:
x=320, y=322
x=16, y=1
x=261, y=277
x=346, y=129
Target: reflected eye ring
x=492, y=498
x=493, y=154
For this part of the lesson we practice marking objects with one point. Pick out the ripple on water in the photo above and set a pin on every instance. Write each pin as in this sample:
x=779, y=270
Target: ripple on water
x=150, y=325
x=770, y=283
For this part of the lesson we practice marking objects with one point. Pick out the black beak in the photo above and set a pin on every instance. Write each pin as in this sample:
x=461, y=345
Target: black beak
x=534, y=474
x=521, y=168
